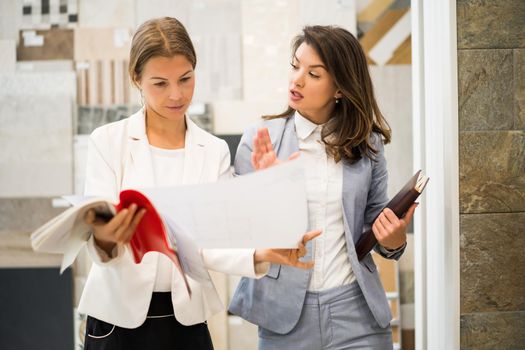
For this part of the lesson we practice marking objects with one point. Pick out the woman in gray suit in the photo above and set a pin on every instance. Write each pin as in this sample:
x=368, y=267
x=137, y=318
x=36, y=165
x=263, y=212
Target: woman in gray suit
x=334, y=122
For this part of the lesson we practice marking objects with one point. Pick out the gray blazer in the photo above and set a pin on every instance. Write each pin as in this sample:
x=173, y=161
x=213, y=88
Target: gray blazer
x=275, y=301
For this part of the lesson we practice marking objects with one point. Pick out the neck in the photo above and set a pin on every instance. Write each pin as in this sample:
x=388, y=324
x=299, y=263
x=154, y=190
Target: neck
x=163, y=132
x=318, y=116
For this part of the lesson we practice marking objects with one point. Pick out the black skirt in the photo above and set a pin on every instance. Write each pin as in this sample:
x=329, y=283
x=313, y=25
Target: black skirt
x=160, y=331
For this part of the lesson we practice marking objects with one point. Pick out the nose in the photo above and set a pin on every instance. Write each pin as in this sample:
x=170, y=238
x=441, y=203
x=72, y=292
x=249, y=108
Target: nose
x=297, y=79
x=175, y=93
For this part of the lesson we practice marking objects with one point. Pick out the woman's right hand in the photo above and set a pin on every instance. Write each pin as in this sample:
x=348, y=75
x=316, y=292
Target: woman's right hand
x=118, y=230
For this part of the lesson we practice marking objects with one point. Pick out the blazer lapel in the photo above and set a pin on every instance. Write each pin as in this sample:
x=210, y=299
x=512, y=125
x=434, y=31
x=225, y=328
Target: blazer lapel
x=141, y=165
x=194, y=154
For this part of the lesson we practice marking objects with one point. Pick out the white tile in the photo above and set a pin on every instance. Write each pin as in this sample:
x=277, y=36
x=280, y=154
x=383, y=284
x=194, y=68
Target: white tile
x=268, y=28
x=332, y=12
x=7, y=55
x=148, y=9
x=106, y=13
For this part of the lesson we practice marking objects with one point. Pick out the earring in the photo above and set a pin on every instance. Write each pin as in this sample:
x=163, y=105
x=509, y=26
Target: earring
x=337, y=100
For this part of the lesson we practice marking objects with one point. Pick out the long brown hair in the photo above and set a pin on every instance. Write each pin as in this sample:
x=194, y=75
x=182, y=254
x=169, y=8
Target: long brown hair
x=164, y=37
x=356, y=115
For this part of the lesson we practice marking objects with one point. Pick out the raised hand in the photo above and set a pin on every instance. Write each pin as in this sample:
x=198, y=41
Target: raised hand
x=263, y=154
x=288, y=256
x=118, y=230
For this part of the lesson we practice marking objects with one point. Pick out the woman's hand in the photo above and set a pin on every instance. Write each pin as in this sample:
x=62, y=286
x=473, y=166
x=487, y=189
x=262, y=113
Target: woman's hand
x=390, y=231
x=263, y=155
x=288, y=256
x=118, y=230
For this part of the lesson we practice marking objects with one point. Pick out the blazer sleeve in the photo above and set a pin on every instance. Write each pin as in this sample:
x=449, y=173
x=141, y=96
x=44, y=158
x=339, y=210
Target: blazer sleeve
x=243, y=157
x=234, y=262
x=377, y=195
x=101, y=180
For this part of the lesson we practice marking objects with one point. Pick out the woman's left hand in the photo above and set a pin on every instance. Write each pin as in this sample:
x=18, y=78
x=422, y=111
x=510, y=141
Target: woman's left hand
x=288, y=256
x=390, y=231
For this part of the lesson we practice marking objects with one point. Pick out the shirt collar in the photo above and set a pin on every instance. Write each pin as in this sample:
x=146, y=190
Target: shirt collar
x=304, y=127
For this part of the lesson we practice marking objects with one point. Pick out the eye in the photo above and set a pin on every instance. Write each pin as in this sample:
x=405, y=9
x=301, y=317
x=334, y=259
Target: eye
x=313, y=75
x=294, y=66
x=160, y=83
x=185, y=79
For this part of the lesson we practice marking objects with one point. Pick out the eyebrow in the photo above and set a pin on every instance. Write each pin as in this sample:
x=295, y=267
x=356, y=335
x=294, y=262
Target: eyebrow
x=313, y=65
x=161, y=78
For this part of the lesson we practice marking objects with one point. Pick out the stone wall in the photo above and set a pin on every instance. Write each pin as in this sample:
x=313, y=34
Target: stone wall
x=491, y=77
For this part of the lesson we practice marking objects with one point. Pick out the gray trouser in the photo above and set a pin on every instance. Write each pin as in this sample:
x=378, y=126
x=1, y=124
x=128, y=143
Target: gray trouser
x=334, y=319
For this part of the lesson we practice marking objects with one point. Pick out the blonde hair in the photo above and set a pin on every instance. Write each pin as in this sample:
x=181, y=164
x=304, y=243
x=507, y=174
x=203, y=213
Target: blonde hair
x=164, y=37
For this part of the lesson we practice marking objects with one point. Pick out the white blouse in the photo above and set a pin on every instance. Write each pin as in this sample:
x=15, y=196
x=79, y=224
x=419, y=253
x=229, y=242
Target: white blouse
x=324, y=188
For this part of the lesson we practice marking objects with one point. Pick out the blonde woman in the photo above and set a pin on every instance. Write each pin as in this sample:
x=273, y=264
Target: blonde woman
x=146, y=306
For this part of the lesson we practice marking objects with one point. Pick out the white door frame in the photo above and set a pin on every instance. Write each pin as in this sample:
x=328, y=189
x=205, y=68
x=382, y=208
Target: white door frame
x=435, y=140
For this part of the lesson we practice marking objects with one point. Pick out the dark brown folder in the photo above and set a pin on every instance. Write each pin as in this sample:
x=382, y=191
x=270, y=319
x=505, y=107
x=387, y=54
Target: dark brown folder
x=399, y=205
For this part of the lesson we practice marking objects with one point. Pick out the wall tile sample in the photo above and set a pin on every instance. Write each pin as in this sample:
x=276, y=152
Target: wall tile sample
x=109, y=43
x=52, y=44
x=36, y=139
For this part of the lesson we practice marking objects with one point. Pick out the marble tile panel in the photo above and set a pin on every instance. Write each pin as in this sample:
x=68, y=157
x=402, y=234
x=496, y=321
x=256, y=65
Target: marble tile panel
x=488, y=331
x=492, y=171
x=492, y=261
x=51, y=84
x=106, y=13
x=490, y=24
x=485, y=88
x=36, y=114
x=519, y=88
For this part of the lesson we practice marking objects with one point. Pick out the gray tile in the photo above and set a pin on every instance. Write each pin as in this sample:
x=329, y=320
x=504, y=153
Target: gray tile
x=492, y=261
x=490, y=24
x=492, y=171
x=26, y=214
x=484, y=80
x=489, y=331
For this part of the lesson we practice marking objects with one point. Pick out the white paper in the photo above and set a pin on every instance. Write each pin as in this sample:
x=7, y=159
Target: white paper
x=265, y=209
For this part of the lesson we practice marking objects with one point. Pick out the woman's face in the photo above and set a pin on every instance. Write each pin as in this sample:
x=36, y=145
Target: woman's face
x=168, y=85
x=312, y=90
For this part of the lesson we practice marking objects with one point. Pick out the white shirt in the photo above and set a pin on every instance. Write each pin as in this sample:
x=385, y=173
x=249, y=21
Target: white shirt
x=168, y=168
x=324, y=188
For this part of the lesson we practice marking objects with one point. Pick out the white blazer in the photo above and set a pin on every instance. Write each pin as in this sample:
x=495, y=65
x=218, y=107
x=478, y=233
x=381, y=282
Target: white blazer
x=118, y=291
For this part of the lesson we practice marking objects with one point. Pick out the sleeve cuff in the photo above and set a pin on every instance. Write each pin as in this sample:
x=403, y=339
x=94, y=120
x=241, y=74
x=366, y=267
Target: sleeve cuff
x=389, y=252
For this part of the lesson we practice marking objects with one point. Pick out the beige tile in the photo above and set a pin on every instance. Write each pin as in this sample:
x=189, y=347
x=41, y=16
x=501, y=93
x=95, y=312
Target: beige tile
x=492, y=171
x=492, y=261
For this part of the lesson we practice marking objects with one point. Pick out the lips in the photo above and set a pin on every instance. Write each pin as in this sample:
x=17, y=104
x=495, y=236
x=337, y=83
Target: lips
x=295, y=95
x=175, y=108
